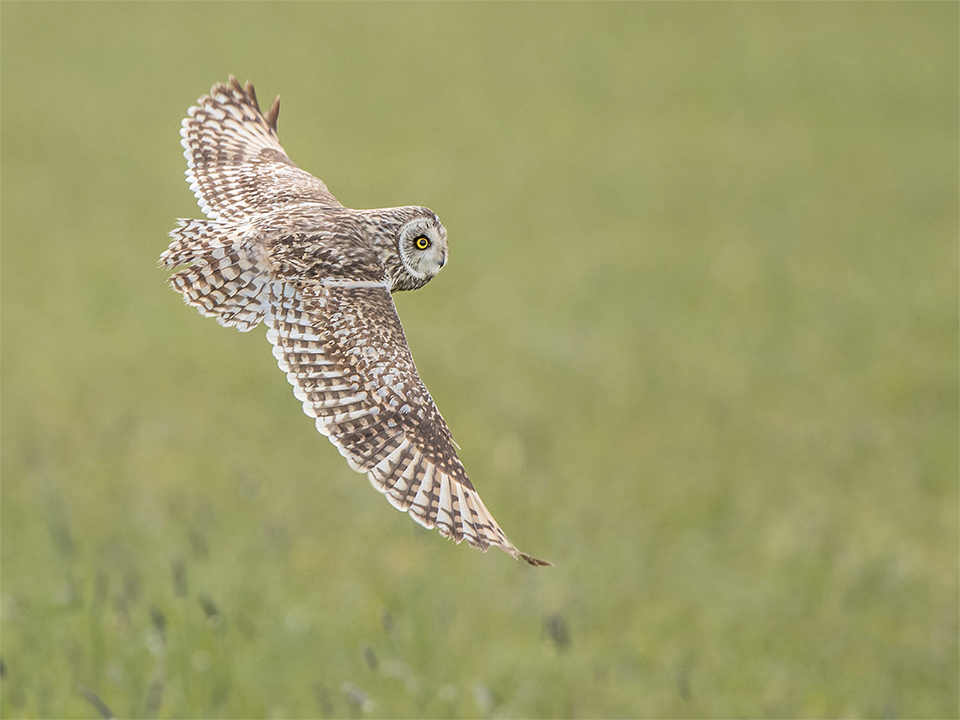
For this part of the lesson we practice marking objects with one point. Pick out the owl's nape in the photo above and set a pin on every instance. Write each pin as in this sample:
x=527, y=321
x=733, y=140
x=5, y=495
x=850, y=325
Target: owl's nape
x=279, y=249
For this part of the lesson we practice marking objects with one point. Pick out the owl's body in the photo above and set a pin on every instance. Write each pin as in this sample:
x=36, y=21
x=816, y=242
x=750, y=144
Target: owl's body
x=279, y=249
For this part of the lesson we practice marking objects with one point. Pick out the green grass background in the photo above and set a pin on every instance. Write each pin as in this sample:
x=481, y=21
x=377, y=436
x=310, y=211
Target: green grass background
x=698, y=339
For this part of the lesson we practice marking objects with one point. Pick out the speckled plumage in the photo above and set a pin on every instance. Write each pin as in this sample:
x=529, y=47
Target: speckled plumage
x=278, y=248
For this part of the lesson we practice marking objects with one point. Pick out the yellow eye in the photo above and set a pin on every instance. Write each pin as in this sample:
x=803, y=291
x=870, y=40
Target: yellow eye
x=422, y=242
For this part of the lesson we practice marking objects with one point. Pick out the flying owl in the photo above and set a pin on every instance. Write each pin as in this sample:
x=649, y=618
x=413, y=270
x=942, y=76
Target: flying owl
x=279, y=249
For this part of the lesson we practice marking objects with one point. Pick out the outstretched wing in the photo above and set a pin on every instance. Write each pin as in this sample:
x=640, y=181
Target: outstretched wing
x=235, y=164
x=342, y=347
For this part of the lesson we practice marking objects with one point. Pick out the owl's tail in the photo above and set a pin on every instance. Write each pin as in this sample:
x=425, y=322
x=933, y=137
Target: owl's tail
x=223, y=278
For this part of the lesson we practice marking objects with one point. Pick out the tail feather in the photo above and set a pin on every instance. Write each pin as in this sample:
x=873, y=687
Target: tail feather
x=222, y=278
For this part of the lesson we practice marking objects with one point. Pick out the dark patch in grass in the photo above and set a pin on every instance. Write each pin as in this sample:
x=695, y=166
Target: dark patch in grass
x=323, y=699
x=96, y=701
x=159, y=622
x=178, y=571
x=214, y=618
x=387, y=621
x=370, y=656
x=555, y=627
x=683, y=680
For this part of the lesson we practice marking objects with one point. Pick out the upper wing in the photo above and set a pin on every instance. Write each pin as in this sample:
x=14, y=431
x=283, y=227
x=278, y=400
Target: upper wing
x=235, y=163
x=343, y=349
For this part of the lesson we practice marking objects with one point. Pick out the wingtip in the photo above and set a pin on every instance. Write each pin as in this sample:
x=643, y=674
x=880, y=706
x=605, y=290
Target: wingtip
x=536, y=562
x=252, y=94
x=273, y=113
x=247, y=90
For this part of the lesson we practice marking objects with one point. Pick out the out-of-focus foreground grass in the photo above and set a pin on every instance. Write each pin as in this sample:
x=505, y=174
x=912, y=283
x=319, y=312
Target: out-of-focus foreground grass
x=698, y=340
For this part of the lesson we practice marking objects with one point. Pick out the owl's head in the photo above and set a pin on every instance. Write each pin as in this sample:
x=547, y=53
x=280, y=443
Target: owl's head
x=422, y=247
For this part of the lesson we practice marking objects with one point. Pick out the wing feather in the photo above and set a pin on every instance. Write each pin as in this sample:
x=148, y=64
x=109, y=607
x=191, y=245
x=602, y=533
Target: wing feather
x=236, y=166
x=344, y=352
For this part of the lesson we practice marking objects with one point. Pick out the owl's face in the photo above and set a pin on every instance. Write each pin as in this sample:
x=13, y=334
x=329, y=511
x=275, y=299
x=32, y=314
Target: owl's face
x=422, y=244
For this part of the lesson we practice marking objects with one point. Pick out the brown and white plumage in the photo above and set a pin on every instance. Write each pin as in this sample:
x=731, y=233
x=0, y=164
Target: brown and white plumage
x=278, y=248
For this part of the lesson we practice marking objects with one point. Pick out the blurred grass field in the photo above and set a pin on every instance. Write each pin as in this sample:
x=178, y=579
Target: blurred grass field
x=698, y=340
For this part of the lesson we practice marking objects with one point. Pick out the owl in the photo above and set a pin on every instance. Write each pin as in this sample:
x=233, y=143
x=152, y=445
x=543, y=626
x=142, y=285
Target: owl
x=279, y=249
